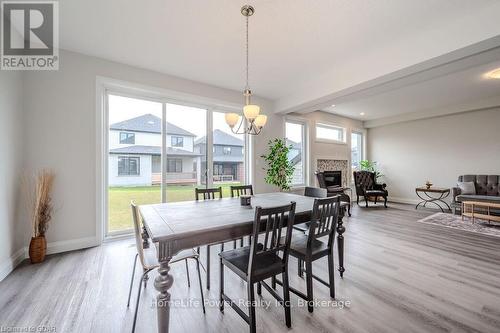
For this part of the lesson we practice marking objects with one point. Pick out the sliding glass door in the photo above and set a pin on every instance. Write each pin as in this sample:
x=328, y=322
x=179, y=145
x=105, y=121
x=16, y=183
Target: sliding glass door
x=228, y=162
x=134, y=157
x=186, y=153
x=160, y=152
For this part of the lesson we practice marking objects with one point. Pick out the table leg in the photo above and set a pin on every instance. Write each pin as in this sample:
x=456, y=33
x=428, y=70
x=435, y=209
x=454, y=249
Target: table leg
x=163, y=283
x=340, y=243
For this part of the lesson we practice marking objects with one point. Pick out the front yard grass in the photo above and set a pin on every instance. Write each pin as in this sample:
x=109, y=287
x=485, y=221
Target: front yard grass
x=120, y=216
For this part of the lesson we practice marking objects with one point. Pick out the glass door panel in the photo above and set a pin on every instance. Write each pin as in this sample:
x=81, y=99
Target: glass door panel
x=134, y=158
x=356, y=150
x=186, y=160
x=228, y=166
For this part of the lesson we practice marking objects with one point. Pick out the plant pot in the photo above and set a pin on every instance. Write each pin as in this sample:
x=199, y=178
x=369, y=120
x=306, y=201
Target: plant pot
x=38, y=249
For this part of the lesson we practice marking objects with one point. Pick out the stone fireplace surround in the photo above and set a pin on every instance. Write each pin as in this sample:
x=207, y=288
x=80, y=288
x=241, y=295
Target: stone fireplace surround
x=332, y=164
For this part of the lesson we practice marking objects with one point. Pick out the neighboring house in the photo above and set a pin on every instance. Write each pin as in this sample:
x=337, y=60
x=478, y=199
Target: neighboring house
x=228, y=156
x=135, y=153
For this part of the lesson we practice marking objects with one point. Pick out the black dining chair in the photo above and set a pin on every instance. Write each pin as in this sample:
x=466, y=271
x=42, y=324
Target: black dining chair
x=237, y=191
x=314, y=192
x=309, y=248
x=266, y=257
x=209, y=194
x=147, y=266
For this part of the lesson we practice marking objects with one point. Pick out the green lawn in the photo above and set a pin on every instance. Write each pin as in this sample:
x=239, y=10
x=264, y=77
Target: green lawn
x=120, y=217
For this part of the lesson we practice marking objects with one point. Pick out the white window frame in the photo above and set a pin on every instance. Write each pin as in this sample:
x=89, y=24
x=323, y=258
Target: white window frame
x=138, y=158
x=331, y=126
x=362, y=143
x=106, y=86
x=176, y=137
x=127, y=133
x=363, y=132
x=305, y=150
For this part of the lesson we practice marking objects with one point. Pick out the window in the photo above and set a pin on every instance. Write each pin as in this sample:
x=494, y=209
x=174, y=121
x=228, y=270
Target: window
x=326, y=132
x=174, y=165
x=227, y=163
x=295, y=137
x=356, y=149
x=177, y=141
x=128, y=166
x=155, y=166
x=218, y=169
x=127, y=138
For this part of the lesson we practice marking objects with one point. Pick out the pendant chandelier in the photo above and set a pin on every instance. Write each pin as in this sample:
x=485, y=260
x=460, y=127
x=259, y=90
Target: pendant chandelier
x=252, y=121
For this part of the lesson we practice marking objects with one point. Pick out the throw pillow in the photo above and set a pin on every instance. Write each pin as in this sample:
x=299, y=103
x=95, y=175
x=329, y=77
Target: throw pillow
x=467, y=187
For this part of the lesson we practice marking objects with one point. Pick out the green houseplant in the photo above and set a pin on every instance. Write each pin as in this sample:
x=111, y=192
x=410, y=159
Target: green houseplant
x=279, y=168
x=371, y=166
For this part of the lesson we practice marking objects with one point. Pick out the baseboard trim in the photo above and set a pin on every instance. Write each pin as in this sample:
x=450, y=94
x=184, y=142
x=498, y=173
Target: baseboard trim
x=71, y=245
x=403, y=200
x=11, y=263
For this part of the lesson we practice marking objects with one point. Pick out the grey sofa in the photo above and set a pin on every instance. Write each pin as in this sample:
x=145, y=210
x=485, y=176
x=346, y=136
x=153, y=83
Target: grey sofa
x=487, y=190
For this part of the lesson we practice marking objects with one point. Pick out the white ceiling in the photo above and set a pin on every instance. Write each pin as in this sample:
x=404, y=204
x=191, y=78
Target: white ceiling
x=292, y=42
x=437, y=89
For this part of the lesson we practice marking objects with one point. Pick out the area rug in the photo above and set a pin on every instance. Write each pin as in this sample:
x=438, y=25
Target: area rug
x=455, y=221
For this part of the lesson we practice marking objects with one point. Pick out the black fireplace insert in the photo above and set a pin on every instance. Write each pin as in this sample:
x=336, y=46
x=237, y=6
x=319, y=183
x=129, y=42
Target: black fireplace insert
x=333, y=178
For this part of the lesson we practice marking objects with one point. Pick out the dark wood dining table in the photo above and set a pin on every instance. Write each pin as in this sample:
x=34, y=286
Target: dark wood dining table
x=174, y=227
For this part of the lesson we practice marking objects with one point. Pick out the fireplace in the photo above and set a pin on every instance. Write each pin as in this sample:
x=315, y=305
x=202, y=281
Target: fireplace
x=333, y=178
x=336, y=170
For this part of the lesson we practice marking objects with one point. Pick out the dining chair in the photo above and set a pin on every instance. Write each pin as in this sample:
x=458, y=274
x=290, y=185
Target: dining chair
x=147, y=267
x=314, y=192
x=209, y=194
x=237, y=191
x=261, y=260
x=308, y=247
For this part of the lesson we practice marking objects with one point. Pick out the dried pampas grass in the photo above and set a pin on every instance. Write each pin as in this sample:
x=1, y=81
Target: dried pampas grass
x=42, y=202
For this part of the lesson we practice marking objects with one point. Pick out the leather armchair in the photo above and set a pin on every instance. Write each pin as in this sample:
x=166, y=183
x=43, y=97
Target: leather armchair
x=367, y=187
x=334, y=190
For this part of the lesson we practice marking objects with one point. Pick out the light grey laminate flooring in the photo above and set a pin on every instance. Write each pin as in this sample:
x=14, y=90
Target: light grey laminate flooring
x=401, y=276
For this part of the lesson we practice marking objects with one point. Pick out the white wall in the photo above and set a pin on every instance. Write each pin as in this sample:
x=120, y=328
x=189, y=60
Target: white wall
x=276, y=128
x=12, y=228
x=60, y=133
x=436, y=149
x=320, y=149
x=141, y=139
x=149, y=139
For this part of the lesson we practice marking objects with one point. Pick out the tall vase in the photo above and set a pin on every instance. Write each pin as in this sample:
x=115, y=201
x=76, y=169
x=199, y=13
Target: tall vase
x=38, y=249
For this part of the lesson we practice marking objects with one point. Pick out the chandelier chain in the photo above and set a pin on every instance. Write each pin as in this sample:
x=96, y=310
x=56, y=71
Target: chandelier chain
x=247, y=86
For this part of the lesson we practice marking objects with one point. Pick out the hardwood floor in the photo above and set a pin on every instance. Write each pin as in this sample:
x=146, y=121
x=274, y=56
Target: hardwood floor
x=401, y=276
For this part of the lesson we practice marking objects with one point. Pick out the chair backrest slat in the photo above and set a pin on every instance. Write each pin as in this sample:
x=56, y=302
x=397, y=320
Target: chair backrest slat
x=208, y=193
x=239, y=190
x=324, y=219
x=268, y=228
x=138, y=232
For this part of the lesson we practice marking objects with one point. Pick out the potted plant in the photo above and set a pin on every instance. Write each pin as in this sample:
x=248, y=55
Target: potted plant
x=41, y=215
x=371, y=166
x=279, y=168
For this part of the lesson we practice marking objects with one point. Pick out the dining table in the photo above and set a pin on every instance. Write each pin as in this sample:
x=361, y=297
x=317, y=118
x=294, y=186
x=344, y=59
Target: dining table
x=178, y=226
